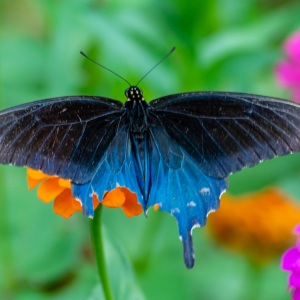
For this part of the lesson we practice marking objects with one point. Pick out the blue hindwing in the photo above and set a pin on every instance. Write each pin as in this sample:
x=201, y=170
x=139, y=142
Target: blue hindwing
x=180, y=188
x=117, y=168
x=172, y=179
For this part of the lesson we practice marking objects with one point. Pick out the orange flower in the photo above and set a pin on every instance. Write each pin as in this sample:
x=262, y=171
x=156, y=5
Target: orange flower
x=59, y=190
x=258, y=224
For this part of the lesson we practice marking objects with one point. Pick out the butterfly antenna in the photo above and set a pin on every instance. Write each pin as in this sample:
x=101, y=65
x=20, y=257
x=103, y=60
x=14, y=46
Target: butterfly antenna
x=173, y=48
x=83, y=54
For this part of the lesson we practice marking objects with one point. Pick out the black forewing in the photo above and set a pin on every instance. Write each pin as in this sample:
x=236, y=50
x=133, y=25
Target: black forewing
x=64, y=136
x=226, y=132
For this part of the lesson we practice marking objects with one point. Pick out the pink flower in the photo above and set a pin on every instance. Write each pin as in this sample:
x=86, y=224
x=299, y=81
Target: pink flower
x=291, y=262
x=288, y=70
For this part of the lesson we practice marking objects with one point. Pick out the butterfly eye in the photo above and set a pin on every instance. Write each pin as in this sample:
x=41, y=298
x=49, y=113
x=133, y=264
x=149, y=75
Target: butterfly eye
x=141, y=91
x=126, y=93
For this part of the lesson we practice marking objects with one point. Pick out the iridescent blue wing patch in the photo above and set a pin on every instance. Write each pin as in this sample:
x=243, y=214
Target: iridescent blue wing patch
x=180, y=188
x=115, y=169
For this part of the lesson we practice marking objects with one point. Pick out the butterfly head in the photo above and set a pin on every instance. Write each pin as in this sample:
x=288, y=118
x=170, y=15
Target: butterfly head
x=134, y=93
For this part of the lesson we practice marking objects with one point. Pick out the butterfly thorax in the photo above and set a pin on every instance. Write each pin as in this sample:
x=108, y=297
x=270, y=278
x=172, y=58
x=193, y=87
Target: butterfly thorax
x=137, y=111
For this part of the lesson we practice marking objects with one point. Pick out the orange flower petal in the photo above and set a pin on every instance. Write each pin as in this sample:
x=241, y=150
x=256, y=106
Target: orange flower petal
x=53, y=187
x=34, y=177
x=255, y=224
x=131, y=207
x=76, y=203
x=49, y=189
x=114, y=198
x=36, y=174
x=65, y=205
x=64, y=183
x=32, y=183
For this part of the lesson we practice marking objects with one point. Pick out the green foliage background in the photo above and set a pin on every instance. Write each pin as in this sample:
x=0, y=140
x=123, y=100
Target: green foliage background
x=221, y=45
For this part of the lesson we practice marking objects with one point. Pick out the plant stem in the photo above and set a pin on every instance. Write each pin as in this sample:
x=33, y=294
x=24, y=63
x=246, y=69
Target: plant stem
x=97, y=238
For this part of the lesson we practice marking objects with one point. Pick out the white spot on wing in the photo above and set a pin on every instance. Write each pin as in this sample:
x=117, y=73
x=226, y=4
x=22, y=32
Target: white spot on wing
x=205, y=191
x=191, y=204
x=175, y=210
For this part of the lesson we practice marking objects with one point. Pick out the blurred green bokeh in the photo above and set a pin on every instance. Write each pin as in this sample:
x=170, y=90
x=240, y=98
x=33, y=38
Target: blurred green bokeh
x=221, y=45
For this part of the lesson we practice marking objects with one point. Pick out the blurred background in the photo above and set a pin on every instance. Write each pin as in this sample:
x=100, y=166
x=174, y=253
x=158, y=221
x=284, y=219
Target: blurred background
x=221, y=45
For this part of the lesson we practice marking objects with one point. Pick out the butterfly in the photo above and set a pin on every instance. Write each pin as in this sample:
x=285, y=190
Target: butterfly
x=174, y=152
